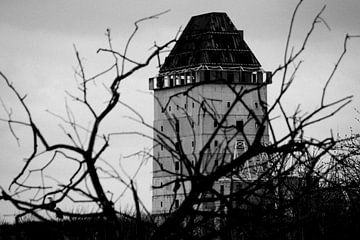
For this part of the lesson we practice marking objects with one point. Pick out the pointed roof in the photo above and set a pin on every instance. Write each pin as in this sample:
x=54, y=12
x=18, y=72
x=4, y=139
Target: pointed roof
x=210, y=39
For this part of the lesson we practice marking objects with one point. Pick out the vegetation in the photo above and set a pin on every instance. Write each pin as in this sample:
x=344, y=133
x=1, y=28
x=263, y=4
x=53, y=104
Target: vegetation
x=297, y=193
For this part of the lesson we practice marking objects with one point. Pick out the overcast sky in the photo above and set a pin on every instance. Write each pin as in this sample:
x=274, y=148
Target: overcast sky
x=37, y=55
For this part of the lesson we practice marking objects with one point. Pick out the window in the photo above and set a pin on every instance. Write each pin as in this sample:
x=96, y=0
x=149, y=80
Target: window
x=159, y=82
x=177, y=146
x=193, y=105
x=215, y=123
x=192, y=143
x=177, y=203
x=192, y=124
x=246, y=76
x=177, y=107
x=221, y=189
x=162, y=147
x=254, y=77
x=240, y=125
x=185, y=106
x=215, y=163
x=151, y=83
x=177, y=125
x=162, y=128
x=189, y=78
x=177, y=166
x=256, y=105
x=166, y=81
x=206, y=75
x=177, y=80
x=268, y=77
x=182, y=80
x=218, y=75
x=216, y=143
x=161, y=204
x=171, y=81
x=230, y=77
x=169, y=108
x=228, y=104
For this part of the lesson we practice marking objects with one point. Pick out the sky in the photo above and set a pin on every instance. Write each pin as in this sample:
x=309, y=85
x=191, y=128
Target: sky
x=37, y=55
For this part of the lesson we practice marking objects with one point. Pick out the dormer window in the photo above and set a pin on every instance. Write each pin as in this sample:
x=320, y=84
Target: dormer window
x=230, y=77
x=177, y=80
x=254, y=77
x=182, y=79
x=171, y=80
x=166, y=81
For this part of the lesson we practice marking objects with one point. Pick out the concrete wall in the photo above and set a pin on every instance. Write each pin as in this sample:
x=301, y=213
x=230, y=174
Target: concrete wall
x=195, y=128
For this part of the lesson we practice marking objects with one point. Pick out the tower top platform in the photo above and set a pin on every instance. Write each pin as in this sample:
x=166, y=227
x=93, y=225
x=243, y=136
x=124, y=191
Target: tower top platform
x=210, y=39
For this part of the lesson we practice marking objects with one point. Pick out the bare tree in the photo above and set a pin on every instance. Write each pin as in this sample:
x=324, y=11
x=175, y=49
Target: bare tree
x=277, y=175
x=87, y=144
x=281, y=174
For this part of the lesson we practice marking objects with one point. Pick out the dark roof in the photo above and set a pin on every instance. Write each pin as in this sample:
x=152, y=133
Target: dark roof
x=210, y=39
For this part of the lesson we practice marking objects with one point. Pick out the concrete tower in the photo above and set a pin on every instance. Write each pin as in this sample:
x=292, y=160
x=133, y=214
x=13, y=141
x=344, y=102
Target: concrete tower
x=210, y=55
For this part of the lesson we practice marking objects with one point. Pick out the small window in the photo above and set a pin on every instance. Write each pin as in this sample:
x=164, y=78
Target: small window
x=161, y=204
x=159, y=82
x=182, y=80
x=177, y=146
x=177, y=203
x=162, y=128
x=185, y=106
x=218, y=75
x=240, y=125
x=221, y=189
x=254, y=77
x=169, y=108
x=230, y=76
x=256, y=105
x=228, y=104
x=162, y=147
x=193, y=105
x=207, y=75
x=177, y=125
x=189, y=78
x=216, y=143
x=171, y=81
x=246, y=76
x=192, y=143
x=177, y=166
x=177, y=107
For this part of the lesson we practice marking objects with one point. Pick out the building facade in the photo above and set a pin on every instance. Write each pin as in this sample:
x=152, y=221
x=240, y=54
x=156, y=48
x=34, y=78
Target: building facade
x=197, y=110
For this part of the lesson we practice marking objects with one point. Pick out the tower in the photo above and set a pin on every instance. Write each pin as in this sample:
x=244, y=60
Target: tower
x=194, y=95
